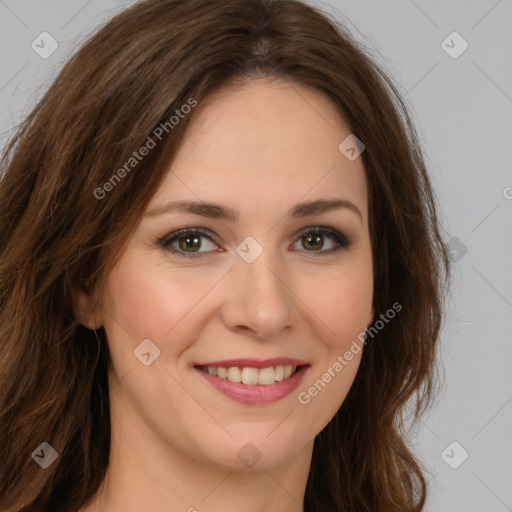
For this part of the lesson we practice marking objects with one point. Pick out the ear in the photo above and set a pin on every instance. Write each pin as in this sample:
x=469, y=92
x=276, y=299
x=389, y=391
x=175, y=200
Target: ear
x=85, y=308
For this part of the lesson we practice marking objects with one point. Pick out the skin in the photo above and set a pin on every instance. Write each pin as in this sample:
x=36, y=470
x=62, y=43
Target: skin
x=174, y=437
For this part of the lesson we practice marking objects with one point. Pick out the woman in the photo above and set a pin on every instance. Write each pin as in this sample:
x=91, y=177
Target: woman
x=221, y=273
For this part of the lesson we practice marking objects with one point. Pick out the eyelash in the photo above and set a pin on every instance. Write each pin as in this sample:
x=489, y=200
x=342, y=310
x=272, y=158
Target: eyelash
x=341, y=240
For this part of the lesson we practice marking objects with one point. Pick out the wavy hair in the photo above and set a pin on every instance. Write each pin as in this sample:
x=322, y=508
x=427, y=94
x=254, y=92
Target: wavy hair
x=56, y=236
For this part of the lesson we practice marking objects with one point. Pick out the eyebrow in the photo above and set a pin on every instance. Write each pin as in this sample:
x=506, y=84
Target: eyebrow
x=217, y=211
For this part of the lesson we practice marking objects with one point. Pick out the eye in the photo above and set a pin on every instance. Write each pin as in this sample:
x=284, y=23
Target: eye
x=187, y=242
x=313, y=238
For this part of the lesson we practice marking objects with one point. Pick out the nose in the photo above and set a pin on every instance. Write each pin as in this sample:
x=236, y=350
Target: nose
x=260, y=300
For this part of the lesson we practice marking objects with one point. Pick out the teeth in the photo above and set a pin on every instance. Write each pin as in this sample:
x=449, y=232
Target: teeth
x=249, y=375
x=288, y=371
x=252, y=376
x=266, y=376
x=234, y=374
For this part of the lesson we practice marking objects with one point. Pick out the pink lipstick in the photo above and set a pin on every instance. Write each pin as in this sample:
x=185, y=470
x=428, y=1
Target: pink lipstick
x=251, y=381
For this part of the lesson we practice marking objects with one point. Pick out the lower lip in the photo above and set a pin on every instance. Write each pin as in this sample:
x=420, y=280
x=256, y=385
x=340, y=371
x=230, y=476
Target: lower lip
x=256, y=394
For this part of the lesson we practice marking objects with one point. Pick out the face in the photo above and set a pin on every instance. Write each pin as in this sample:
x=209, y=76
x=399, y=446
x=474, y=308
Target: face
x=277, y=284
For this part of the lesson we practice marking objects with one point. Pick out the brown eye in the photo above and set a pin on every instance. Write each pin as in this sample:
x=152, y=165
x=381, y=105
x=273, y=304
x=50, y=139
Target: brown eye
x=313, y=240
x=189, y=242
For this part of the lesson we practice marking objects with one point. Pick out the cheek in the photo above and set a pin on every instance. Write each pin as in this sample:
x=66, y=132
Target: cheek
x=145, y=302
x=342, y=303
x=342, y=309
x=146, y=299
x=151, y=300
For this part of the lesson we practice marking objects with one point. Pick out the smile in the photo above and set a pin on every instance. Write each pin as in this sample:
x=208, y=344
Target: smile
x=252, y=376
x=254, y=386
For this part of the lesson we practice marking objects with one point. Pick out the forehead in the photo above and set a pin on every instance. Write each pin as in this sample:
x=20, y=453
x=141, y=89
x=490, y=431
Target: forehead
x=274, y=142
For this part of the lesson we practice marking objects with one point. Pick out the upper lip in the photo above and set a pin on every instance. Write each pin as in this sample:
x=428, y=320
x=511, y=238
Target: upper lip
x=255, y=363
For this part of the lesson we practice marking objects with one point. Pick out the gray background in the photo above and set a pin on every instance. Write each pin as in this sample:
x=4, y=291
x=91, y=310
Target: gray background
x=462, y=109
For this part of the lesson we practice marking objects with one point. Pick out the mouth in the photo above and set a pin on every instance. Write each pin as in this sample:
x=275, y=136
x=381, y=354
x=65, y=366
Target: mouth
x=252, y=375
x=259, y=384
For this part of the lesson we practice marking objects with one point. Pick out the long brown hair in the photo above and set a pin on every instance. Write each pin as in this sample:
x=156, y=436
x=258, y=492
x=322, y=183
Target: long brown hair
x=57, y=234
